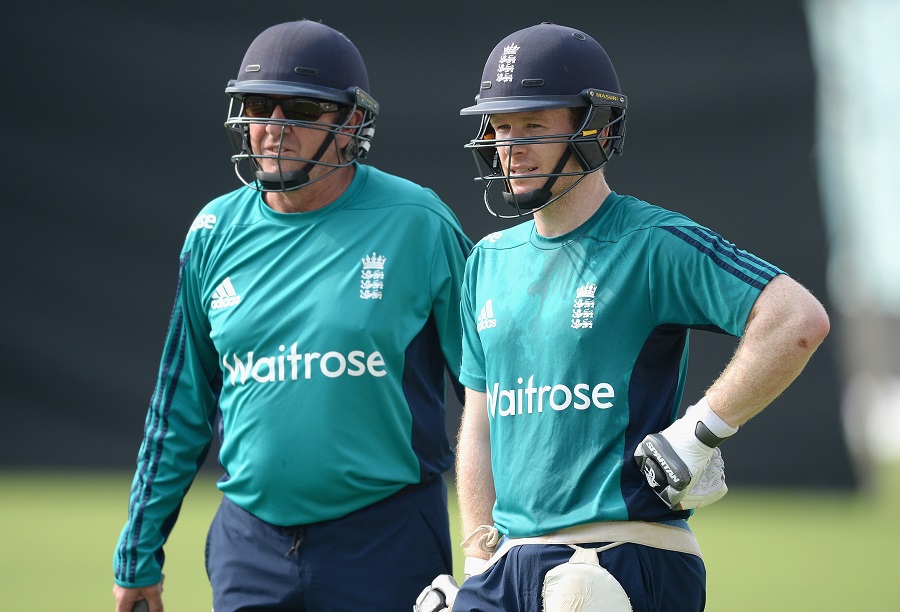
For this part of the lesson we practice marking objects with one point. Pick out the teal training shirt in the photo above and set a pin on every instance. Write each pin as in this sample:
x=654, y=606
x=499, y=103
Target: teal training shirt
x=581, y=343
x=322, y=339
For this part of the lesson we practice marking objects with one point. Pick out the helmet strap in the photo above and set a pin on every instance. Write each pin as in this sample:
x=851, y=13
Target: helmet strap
x=537, y=198
x=282, y=181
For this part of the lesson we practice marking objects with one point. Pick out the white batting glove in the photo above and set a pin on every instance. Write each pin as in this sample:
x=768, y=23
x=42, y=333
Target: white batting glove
x=711, y=486
x=439, y=596
x=676, y=460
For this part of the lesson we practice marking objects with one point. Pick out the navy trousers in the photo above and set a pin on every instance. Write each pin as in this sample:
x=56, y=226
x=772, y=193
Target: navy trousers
x=655, y=580
x=378, y=558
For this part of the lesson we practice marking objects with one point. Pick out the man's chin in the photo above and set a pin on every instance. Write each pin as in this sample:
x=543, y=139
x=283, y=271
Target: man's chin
x=524, y=189
x=283, y=168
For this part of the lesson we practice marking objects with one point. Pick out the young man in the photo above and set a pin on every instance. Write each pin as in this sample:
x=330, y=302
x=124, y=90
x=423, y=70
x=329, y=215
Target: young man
x=575, y=333
x=316, y=313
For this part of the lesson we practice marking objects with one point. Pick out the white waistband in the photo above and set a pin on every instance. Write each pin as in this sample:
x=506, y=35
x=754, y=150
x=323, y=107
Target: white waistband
x=655, y=535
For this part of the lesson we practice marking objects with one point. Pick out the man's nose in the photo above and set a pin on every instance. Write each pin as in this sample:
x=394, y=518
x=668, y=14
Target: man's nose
x=277, y=113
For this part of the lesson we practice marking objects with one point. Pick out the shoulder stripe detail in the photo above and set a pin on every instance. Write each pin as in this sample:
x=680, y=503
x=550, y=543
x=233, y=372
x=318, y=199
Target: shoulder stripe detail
x=730, y=250
x=728, y=257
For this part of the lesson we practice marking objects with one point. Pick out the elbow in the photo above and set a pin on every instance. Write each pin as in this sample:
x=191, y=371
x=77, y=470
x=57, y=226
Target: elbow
x=824, y=324
x=816, y=327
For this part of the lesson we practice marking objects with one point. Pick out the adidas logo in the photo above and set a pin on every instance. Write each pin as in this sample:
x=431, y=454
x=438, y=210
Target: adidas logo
x=225, y=296
x=486, y=318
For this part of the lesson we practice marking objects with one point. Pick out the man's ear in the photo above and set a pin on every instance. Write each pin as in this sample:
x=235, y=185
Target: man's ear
x=351, y=125
x=354, y=120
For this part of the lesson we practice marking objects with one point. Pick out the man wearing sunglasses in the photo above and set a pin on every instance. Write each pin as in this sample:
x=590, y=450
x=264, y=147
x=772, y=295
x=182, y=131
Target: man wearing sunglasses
x=316, y=315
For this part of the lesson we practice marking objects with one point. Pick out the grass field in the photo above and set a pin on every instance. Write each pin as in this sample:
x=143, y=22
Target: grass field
x=764, y=550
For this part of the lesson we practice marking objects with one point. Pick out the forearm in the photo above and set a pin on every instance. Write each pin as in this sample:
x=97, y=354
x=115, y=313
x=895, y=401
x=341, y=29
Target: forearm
x=475, y=488
x=785, y=327
x=474, y=476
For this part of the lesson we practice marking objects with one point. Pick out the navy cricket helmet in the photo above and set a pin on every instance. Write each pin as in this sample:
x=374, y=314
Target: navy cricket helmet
x=544, y=67
x=321, y=71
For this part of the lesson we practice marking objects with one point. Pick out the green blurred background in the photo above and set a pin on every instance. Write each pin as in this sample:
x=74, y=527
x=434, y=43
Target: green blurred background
x=765, y=550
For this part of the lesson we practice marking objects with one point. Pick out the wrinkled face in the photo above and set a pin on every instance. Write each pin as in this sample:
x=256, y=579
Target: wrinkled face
x=287, y=134
x=519, y=160
x=285, y=142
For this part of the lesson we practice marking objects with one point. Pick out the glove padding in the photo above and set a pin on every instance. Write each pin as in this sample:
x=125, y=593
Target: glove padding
x=438, y=596
x=683, y=471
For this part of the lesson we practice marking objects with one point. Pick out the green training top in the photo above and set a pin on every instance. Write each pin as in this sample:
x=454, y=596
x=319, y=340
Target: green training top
x=320, y=340
x=581, y=344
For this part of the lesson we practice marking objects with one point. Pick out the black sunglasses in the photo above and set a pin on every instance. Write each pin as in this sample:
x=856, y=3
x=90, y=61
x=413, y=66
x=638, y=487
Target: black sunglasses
x=295, y=109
